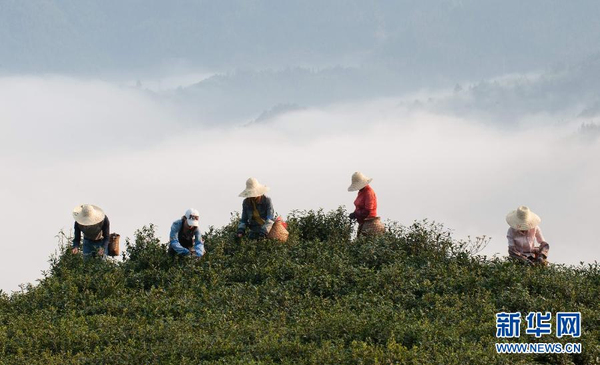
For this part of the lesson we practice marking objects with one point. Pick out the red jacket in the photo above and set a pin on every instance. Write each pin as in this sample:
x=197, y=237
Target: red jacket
x=366, y=204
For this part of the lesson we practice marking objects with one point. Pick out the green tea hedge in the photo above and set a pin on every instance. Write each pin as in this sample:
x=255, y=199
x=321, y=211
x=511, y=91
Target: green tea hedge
x=412, y=296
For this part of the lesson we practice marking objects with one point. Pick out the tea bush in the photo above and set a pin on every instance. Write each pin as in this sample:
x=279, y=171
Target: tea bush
x=411, y=296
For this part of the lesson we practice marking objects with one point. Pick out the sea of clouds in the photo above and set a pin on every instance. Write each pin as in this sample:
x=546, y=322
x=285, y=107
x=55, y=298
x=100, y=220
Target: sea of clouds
x=66, y=142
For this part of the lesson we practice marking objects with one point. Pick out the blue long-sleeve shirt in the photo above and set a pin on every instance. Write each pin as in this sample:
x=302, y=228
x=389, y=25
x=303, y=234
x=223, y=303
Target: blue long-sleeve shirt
x=265, y=211
x=176, y=245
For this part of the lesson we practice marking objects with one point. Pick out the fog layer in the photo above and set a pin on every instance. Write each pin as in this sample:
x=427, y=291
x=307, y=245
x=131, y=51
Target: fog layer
x=66, y=142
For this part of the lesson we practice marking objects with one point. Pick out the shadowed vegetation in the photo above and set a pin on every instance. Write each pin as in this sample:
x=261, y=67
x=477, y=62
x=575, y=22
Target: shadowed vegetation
x=414, y=296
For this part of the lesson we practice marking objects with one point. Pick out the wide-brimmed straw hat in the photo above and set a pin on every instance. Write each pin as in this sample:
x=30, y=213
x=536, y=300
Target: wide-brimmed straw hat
x=522, y=219
x=253, y=189
x=359, y=181
x=88, y=215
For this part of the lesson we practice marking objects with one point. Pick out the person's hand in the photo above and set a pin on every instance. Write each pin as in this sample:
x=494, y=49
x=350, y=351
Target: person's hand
x=541, y=259
x=237, y=238
x=101, y=251
x=352, y=215
x=75, y=250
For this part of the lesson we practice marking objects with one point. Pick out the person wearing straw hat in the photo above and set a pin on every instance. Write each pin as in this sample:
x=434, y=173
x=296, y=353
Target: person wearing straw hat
x=257, y=210
x=185, y=238
x=365, y=211
x=95, y=226
x=522, y=236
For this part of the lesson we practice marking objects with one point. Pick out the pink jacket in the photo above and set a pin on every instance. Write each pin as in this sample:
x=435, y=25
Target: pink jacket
x=524, y=243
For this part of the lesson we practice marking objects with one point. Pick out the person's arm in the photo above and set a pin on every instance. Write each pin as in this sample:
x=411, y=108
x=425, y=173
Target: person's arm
x=174, y=240
x=243, y=220
x=512, y=248
x=105, y=232
x=77, y=239
x=199, y=245
x=361, y=212
x=269, y=219
x=538, y=235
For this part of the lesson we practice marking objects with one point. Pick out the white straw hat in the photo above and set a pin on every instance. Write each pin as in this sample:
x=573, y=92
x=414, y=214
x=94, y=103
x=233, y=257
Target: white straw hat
x=359, y=181
x=188, y=215
x=253, y=189
x=88, y=215
x=522, y=219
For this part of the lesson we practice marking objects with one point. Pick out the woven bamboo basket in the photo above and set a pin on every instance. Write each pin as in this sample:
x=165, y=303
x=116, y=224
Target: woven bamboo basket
x=113, y=244
x=372, y=227
x=278, y=232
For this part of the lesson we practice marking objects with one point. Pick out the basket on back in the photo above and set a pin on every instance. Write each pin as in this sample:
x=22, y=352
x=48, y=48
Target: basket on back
x=372, y=227
x=113, y=244
x=278, y=231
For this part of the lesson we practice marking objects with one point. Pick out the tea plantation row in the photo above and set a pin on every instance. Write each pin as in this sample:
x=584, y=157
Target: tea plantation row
x=412, y=296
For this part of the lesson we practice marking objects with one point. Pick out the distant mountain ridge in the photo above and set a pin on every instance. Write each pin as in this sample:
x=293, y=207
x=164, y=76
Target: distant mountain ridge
x=246, y=94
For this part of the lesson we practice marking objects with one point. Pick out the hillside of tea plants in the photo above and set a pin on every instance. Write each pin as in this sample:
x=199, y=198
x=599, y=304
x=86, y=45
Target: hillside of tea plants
x=412, y=296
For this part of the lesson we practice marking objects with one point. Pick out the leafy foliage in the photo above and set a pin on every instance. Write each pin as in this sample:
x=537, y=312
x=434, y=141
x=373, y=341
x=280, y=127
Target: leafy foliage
x=412, y=296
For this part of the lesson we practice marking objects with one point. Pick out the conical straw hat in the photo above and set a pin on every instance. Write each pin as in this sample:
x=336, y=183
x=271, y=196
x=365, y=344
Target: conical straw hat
x=359, y=181
x=522, y=219
x=253, y=189
x=88, y=215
